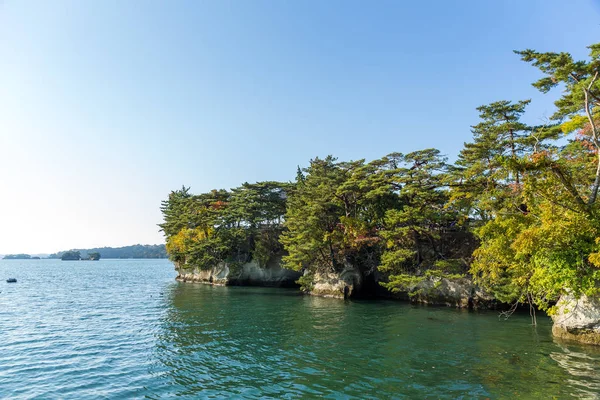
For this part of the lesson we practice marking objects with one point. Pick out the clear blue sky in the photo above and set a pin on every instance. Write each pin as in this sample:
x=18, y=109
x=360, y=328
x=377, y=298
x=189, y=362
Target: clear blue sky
x=106, y=106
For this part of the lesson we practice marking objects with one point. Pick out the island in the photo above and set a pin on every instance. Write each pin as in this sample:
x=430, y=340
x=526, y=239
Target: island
x=18, y=257
x=71, y=256
x=515, y=221
x=75, y=255
x=125, y=252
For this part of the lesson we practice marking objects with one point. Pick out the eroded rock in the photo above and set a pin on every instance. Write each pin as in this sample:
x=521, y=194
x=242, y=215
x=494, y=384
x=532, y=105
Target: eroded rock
x=577, y=319
x=459, y=292
x=339, y=285
x=250, y=274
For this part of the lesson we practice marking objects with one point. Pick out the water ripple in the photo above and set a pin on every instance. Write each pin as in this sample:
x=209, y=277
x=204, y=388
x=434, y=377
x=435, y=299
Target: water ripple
x=126, y=329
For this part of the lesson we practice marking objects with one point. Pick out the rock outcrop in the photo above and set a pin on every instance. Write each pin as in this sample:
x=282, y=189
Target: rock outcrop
x=460, y=293
x=350, y=282
x=339, y=285
x=250, y=274
x=577, y=319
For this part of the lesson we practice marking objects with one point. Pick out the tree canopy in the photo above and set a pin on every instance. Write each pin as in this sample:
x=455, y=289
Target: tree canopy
x=134, y=251
x=518, y=211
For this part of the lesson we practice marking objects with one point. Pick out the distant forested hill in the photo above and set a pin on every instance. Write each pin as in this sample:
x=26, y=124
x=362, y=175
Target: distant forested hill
x=19, y=257
x=135, y=251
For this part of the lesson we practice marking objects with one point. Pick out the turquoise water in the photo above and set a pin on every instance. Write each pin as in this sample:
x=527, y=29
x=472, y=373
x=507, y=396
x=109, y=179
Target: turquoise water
x=125, y=329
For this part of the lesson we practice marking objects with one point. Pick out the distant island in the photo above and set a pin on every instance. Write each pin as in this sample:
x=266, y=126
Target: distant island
x=94, y=254
x=76, y=256
x=20, y=257
x=134, y=251
x=71, y=256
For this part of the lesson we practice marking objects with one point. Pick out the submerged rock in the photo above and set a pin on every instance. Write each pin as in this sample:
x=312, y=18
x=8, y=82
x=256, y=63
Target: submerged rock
x=577, y=319
x=251, y=274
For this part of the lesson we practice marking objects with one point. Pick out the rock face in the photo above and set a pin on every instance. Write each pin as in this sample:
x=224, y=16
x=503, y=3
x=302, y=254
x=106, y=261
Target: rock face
x=250, y=274
x=339, y=285
x=460, y=293
x=577, y=319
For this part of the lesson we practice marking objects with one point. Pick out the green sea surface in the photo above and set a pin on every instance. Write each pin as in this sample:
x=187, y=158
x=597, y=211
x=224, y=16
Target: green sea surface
x=121, y=329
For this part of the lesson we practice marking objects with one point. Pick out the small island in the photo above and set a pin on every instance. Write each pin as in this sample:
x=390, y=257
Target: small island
x=71, y=256
x=95, y=256
x=75, y=255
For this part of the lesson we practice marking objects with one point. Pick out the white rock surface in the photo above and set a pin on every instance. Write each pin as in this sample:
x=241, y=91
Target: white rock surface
x=338, y=285
x=577, y=319
x=247, y=274
x=461, y=292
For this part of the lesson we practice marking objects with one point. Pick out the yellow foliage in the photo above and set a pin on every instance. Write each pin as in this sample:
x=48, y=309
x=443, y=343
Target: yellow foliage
x=577, y=122
x=594, y=259
x=180, y=242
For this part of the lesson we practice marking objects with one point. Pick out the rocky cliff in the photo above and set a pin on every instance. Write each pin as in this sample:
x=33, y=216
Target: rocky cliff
x=352, y=282
x=458, y=292
x=250, y=274
x=577, y=319
x=339, y=285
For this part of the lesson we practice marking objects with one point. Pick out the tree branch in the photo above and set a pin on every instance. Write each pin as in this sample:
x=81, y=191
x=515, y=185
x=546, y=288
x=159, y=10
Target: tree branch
x=588, y=112
x=569, y=186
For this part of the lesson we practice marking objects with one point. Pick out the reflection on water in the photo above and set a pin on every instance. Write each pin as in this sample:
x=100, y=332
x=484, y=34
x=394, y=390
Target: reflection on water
x=584, y=368
x=252, y=342
x=126, y=329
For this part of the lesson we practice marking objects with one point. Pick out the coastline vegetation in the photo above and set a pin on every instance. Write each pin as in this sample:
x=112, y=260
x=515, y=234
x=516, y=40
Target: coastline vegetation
x=134, y=251
x=20, y=257
x=71, y=256
x=517, y=212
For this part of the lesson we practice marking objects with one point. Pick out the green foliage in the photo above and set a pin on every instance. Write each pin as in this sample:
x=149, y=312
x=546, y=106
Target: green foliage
x=487, y=174
x=306, y=282
x=518, y=209
x=174, y=211
x=225, y=226
x=389, y=214
x=578, y=77
x=543, y=240
x=71, y=256
x=416, y=232
x=134, y=251
x=267, y=245
x=404, y=283
x=315, y=236
x=449, y=268
x=17, y=257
